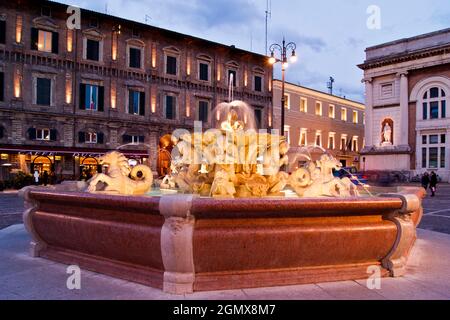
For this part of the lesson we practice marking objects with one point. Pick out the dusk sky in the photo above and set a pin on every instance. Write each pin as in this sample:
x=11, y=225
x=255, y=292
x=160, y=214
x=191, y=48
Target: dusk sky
x=330, y=37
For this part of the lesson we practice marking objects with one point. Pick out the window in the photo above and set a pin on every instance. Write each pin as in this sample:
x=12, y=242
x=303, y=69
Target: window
x=287, y=101
x=424, y=157
x=433, y=153
x=2, y=86
x=171, y=65
x=442, y=164
x=287, y=134
x=44, y=41
x=203, y=111
x=133, y=139
x=91, y=137
x=434, y=104
x=92, y=50
x=203, y=71
x=234, y=74
x=43, y=134
x=258, y=83
x=331, y=143
x=355, y=117
x=433, y=158
x=258, y=118
x=2, y=31
x=170, y=107
x=343, y=114
x=318, y=108
x=43, y=91
x=136, y=102
x=318, y=141
x=331, y=111
x=135, y=58
x=344, y=142
x=91, y=97
x=355, y=144
x=303, y=105
x=303, y=138
x=434, y=139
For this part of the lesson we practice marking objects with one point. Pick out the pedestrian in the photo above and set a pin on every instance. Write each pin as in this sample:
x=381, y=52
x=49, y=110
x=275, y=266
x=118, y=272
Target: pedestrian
x=433, y=183
x=36, y=177
x=425, y=180
x=45, y=178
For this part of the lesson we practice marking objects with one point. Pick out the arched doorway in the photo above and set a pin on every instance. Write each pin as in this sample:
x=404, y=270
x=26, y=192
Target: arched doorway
x=164, y=155
x=42, y=164
x=89, y=166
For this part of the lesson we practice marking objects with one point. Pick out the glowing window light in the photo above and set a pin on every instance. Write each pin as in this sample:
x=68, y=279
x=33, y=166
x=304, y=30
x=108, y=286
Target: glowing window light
x=19, y=25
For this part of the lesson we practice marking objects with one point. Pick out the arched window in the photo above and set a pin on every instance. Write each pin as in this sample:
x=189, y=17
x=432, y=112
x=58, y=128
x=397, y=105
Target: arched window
x=434, y=104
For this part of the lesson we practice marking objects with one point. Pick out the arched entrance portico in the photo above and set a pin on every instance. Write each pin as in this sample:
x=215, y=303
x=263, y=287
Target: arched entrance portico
x=42, y=164
x=89, y=166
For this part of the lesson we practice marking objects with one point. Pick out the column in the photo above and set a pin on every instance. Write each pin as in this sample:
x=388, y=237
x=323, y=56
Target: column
x=369, y=113
x=404, y=106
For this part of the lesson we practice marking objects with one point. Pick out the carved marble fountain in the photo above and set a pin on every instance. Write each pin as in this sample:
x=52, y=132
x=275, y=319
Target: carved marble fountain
x=227, y=217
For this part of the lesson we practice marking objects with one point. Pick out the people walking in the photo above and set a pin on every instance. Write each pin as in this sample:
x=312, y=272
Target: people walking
x=425, y=180
x=36, y=177
x=45, y=178
x=433, y=183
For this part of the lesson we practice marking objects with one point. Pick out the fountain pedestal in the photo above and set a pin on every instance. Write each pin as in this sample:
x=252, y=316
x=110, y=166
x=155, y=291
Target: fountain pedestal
x=183, y=244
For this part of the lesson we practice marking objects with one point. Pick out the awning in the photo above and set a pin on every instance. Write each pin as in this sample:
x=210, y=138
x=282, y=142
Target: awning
x=80, y=152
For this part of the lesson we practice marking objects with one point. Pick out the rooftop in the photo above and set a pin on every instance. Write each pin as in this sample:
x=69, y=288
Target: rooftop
x=403, y=49
x=150, y=27
x=322, y=94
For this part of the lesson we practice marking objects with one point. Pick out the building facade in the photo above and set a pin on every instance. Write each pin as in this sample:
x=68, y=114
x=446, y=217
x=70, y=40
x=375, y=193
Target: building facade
x=407, y=94
x=68, y=96
x=319, y=120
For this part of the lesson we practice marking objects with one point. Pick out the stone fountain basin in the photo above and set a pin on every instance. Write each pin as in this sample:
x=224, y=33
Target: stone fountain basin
x=182, y=244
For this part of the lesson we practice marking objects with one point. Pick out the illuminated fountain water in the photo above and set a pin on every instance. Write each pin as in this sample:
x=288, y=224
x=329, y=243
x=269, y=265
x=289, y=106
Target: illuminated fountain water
x=230, y=220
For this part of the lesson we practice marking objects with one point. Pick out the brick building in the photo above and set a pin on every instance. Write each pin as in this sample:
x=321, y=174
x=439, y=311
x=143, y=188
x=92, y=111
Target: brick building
x=69, y=96
x=407, y=93
x=315, y=118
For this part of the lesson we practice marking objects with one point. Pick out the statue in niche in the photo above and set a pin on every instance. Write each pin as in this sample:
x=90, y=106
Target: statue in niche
x=387, y=133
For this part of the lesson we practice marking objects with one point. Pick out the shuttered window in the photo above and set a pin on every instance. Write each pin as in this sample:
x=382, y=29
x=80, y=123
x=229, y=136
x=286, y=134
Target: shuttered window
x=43, y=91
x=136, y=102
x=92, y=97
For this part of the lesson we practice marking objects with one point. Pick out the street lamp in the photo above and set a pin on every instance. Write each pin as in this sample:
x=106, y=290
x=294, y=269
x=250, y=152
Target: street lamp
x=283, y=50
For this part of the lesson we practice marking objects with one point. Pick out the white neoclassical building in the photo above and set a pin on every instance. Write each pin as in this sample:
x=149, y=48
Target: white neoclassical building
x=407, y=98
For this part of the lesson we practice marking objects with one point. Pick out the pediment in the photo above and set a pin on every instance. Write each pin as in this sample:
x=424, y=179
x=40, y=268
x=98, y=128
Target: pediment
x=259, y=70
x=45, y=23
x=94, y=33
x=135, y=42
x=232, y=64
x=172, y=49
x=204, y=57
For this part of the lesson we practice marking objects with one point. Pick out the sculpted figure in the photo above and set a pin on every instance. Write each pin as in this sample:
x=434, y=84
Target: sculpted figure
x=118, y=180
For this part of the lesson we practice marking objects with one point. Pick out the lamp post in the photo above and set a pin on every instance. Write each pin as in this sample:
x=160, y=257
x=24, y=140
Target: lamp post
x=283, y=50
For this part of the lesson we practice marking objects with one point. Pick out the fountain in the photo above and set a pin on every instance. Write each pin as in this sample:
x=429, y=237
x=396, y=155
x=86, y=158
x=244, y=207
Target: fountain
x=227, y=216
